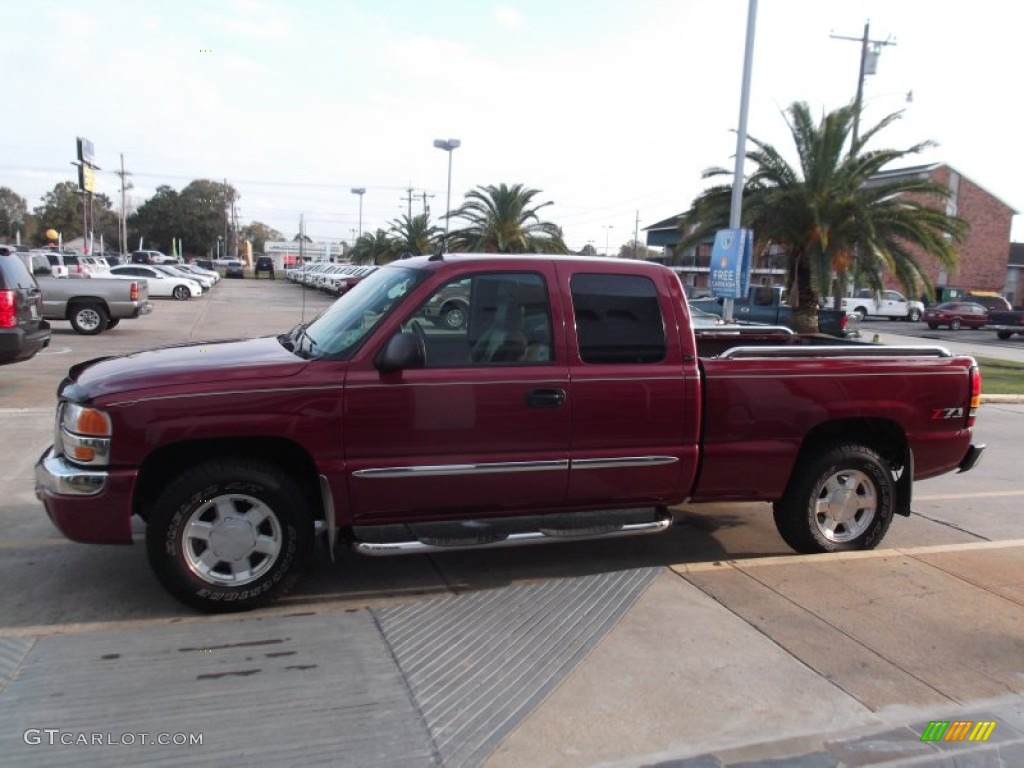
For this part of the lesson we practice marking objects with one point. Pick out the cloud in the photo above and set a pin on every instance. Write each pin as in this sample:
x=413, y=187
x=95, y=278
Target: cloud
x=508, y=17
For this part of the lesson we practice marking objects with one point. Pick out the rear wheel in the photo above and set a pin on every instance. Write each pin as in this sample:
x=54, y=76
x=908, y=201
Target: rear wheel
x=954, y=324
x=229, y=535
x=842, y=498
x=89, y=319
x=1004, y=335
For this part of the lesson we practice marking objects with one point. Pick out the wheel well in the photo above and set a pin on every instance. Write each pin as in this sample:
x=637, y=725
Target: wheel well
x=455, y=303
x=882, y=435
x=78, y=301
x=170, y=460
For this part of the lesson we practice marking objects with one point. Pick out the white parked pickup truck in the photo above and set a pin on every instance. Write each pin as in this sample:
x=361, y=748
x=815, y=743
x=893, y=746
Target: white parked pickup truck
x=890, y=304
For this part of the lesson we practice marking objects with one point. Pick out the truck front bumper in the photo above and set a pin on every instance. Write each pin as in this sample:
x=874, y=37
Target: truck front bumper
x=87, y=505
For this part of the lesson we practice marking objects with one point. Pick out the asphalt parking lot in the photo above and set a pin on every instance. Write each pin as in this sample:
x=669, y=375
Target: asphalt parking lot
x=708, y=645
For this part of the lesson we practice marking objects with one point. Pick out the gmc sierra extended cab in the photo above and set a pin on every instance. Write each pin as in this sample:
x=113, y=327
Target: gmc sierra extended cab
x=575, y=401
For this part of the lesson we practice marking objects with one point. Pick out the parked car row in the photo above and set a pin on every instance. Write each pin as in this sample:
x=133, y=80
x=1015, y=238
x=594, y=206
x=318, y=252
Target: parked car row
x=94, y=295
x=329, y=277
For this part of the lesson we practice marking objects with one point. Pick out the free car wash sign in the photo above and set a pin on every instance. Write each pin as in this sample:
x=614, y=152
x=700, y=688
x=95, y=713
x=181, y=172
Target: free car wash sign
x=730, y=263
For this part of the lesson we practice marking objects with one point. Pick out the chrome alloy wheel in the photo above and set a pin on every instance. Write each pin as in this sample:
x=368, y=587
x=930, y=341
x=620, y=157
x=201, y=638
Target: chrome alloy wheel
x=89, y=319
x=846, y=505
x=232, y=540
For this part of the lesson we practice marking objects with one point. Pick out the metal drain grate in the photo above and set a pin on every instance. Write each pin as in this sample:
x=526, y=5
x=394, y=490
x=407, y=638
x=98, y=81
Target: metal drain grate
x=477, y=664
x=13, y=651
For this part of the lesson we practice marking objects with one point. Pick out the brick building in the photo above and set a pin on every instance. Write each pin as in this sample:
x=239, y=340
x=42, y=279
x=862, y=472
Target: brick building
x=984, y=253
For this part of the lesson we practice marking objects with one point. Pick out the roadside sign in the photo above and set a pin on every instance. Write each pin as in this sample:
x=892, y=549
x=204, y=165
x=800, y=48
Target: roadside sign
x=730, y=263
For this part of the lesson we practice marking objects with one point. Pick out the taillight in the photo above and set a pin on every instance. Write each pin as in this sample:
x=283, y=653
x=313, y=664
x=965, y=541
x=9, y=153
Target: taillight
x=135, y=292
x=8, y=309
x=975, y=394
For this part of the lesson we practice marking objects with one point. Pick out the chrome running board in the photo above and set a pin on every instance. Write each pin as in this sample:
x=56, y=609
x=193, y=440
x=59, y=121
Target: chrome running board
x=485, y=539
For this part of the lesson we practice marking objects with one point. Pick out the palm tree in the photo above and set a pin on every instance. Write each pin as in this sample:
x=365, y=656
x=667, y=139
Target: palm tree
x=373, y=248
x=830, y=216
x=414, y=235
x=504, y=219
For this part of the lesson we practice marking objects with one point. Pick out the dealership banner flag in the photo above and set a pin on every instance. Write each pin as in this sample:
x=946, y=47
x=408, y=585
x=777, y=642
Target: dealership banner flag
x=730, y=263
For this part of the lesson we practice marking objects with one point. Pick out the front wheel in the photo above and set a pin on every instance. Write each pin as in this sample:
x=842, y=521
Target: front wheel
x=914, y=315
x=88, y=319
x=954, y=324
x=453, y=317
x=181, y=292
x=842, y=498
x=229, y=535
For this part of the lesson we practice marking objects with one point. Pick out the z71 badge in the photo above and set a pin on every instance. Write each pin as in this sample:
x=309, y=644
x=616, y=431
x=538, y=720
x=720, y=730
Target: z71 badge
x=947, y=413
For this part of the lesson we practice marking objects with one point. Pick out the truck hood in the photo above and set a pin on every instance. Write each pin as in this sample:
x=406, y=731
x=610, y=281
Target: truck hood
x=183, y=367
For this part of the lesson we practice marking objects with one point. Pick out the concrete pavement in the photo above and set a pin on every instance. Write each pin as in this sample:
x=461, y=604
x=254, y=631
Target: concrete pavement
x=821, y=661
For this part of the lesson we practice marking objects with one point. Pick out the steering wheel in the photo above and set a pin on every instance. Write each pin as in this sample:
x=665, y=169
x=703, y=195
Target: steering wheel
x=421, y=338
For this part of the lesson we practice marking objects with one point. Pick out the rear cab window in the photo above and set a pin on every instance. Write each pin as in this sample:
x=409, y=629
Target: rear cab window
x=618, y=319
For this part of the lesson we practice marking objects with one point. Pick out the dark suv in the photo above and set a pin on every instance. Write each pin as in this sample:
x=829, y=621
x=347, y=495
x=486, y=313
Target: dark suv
x=23, y=332
x=264, y=264
x=989, y=301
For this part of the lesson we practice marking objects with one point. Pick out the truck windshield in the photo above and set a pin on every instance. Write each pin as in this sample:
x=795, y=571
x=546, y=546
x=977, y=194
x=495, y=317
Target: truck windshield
x=338, y=332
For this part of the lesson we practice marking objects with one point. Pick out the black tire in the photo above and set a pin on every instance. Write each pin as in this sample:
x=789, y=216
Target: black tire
x=933, y=326
x=914, y=315
x=861, y=312
x=262, y=542
x=453, y=317
x=88, y=319
x=113, y=323
x=841, y=498
x=1004, y=335
x=954, y=324
x=181, y=292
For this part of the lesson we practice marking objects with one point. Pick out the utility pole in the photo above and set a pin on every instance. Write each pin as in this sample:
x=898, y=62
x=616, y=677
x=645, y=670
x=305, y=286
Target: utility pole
x=408, y=199
x=636, y=234
x=226, y=241
x=426, y=208
x=122, y=232
x=869, y=53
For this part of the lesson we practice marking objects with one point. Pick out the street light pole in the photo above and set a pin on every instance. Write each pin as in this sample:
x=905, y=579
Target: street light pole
x=360, y=191
x=607, y=231
x=448, y=145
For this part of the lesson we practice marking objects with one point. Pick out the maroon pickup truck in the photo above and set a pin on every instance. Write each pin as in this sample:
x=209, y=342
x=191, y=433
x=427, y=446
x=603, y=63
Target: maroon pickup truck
x=575, y=401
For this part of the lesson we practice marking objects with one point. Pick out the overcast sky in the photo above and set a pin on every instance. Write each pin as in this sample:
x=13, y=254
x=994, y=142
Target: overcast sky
x=612, y=108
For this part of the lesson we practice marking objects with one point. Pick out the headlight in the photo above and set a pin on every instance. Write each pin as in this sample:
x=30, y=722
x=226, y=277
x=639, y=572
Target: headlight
x=85, y=434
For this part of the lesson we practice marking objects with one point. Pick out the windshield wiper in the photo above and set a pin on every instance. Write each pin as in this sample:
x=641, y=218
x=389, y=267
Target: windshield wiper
x=304, y=336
